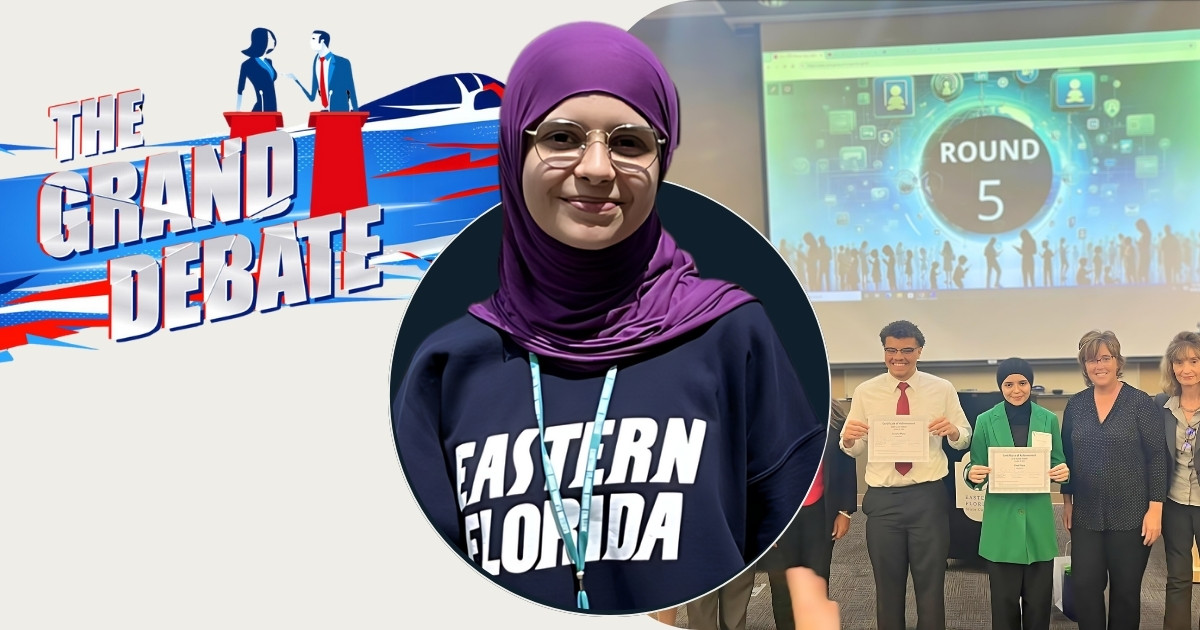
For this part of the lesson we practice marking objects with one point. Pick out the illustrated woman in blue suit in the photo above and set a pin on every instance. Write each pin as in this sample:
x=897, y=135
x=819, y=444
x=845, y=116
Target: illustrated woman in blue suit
x=259, y=71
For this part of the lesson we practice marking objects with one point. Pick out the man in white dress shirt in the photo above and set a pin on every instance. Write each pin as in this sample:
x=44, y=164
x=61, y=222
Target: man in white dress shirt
x=906, y=505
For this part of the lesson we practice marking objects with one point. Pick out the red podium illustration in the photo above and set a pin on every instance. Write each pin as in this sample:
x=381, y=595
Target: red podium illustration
x=339, y=180
x=245, y=124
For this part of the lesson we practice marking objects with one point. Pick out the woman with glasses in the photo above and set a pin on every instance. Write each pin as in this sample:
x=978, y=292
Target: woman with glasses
x=608, y=431
x=1181, y=515
x=1113, y=440
x=1018, y=539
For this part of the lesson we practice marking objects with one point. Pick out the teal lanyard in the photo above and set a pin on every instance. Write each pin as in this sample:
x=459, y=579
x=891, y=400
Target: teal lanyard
x=577, y=553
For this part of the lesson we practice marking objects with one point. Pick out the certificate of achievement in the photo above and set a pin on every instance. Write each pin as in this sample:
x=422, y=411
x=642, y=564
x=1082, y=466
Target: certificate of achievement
x=1018, y=470
x=898, y=439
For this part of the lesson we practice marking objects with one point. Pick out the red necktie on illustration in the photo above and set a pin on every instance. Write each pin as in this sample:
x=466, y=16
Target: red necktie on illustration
x=902, y=410
x=324, y=92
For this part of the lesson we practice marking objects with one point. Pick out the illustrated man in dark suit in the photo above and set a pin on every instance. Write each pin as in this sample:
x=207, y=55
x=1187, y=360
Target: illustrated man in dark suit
x=332, y=78
x=823, y=520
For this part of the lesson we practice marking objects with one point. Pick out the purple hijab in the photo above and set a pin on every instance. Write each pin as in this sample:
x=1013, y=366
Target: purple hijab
x=589, y=309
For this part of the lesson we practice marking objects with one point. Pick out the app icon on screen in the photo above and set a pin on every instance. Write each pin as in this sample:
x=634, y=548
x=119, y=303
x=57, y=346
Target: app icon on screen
x=1139, y=125
x=894, y=97
x=852, y=158
x=946, y=86
x=842, y=122
x=1145, y=166
x=1074, y=90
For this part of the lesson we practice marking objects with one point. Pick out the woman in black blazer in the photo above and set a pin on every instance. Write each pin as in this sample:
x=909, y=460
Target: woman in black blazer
x=808, y=541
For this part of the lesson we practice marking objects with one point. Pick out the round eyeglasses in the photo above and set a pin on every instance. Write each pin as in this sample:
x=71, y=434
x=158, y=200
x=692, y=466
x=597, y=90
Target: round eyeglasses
x=562, y=143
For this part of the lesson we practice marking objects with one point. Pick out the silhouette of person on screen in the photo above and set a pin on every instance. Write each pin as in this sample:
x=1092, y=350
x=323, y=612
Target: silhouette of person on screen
x=259, y=71
x=863, y=254
x=855, y=272
x=813, y=266
x=889, y=259
x=1185, y=244
x=1143, y=249
x=1128, y=259
x=991, y=252
x=824, y=258
x=933, y=276
x=1064, y=260
x=947, y=260
x=1171, y=254
x=1028, y=250
x=1047, y=264
x=924, y=258
x=1081, y=276
x=908, y=268
x=960, y=272
x=800, y=265
x=876, y=276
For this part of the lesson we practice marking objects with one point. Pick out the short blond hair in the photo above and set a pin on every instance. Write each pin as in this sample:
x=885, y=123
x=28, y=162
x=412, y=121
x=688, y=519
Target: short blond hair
x=1178, y=349
x=1089, y=347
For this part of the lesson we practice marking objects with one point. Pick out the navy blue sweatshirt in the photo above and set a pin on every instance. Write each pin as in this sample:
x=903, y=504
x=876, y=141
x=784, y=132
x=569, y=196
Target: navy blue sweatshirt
x=708, y=451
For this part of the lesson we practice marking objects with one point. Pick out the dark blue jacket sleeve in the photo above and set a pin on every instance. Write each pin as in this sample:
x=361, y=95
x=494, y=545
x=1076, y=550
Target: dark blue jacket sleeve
x=1152, y=431
x=842, y=474
x=784, y=439
x=1068, y=448
x=416, y=421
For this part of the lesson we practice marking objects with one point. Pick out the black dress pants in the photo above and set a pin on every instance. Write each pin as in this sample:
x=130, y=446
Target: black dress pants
x=1021, y=595
x=1115, y=558
x=909, y=528
x=1181, y=527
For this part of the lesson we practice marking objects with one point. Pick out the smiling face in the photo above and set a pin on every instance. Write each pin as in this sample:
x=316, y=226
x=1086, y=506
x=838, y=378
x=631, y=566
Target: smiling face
x=1102, y=368
x=900, y=356
x=1187, y=368
x=1016, y=389
x=590, y=205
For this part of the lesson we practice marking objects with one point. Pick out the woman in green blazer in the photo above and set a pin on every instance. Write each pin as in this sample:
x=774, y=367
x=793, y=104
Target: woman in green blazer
x=1018, y=538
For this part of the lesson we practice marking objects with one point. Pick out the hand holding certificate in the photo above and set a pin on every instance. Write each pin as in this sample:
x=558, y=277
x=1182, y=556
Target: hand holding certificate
x=1018, y=470
x=898, y=439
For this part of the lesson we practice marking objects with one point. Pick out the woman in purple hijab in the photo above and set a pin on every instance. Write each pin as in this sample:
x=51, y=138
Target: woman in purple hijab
x=609, y=431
